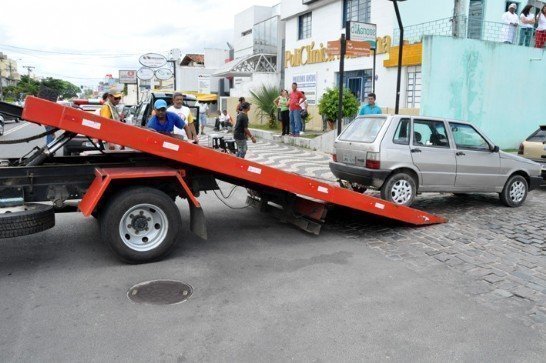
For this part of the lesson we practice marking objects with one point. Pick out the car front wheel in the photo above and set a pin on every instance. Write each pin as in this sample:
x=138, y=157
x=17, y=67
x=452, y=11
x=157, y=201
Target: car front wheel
x=514, y=192
x=399, y=188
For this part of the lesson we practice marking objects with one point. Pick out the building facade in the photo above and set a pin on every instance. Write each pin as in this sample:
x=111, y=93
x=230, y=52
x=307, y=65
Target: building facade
x=8, y=71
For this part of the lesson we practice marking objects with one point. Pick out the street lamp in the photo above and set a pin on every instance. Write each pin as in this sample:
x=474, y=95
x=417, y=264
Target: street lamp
x=400, y=49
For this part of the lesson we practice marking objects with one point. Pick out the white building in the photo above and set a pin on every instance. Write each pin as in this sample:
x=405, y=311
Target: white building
x=194, y=72
x=257, y=43
x=311, y=24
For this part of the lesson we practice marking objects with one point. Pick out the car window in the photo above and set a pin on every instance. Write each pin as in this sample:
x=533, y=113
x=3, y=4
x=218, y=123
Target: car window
x=402, y=133
x=430, y=133
x=466, y=137
x=538, y=136
x=363, y=129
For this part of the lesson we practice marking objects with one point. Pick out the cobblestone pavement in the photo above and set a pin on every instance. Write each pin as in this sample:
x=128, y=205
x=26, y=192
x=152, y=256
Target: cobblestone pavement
x=495, y=254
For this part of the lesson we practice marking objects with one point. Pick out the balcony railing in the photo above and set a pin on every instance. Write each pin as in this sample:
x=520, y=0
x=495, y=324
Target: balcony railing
x=464, y=27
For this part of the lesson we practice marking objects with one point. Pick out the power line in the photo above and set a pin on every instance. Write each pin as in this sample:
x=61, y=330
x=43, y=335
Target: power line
x=113, y=55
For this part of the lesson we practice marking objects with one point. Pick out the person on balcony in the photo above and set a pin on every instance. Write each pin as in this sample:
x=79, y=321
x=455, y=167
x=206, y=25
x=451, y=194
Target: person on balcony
x=527, y=20
x=510, y=19
x=540, y=37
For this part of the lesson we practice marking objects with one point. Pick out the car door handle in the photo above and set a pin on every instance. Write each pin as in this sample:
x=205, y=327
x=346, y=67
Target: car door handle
x=415, y=150
x=460, y=153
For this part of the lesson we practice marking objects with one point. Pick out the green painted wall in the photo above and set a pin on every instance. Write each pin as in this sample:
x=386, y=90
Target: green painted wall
x=501, y=88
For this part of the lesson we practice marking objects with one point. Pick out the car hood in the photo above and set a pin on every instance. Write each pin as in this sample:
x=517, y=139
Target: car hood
x=517, y=158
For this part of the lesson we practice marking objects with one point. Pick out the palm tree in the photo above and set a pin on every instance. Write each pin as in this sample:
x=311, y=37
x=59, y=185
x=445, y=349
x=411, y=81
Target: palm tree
x=263, y=98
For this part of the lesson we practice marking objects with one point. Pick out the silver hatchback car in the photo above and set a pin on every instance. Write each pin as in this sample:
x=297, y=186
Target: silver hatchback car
x=405, y=155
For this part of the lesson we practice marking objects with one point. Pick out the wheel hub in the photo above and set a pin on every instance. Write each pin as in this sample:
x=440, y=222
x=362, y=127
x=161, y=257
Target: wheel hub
x=401, y=192
x=143, y=227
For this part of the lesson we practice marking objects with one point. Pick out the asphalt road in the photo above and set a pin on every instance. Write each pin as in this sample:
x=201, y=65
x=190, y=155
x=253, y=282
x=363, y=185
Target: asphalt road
x=263, y=291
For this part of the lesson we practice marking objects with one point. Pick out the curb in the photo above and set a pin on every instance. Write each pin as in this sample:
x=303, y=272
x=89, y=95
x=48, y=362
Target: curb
x=324, y=142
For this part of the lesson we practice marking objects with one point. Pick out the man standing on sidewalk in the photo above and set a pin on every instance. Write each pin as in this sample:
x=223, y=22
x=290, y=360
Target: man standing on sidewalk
x=370, y=108
x=295, y=99
x=241, y=131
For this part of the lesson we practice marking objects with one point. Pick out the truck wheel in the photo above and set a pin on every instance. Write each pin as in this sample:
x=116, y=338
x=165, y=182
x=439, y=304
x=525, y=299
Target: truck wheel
x=140, y=224
x=399, y=188
x=514, y=192
x=25, y=220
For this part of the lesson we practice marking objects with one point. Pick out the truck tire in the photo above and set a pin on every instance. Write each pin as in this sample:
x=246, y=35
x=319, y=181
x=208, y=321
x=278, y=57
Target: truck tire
x=140, y=224
x=29, y=219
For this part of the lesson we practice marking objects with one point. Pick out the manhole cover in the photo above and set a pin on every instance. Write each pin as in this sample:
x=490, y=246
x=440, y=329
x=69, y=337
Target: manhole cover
x=160, y=292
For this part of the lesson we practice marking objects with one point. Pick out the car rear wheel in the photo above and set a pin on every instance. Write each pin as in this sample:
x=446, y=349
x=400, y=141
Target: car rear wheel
x=399, y=188
x=1, y=128
x=514, y=192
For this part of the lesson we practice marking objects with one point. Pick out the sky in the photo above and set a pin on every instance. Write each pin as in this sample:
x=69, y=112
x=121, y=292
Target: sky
x=80, y=43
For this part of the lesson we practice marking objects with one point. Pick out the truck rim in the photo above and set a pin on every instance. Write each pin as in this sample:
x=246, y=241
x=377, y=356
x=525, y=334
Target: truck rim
x=143, y=227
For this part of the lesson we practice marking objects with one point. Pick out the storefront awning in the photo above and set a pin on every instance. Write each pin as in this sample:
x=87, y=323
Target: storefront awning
x=247, y=66
x=203, y=97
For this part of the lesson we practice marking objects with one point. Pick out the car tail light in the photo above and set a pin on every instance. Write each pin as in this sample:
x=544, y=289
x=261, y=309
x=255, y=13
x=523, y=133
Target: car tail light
x=372, y=161
x=334, y=157
x=521, y=149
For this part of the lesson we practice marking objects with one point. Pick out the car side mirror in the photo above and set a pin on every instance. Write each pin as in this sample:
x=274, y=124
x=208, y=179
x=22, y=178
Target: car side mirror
x=496, y=149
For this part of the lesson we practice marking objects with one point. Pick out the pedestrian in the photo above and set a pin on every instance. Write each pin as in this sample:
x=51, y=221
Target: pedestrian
x=238, y=108
x=109, y=110
x=241, y=131
x=226, y=121
x=527, y=20
x=304, y=112
x=371, y=108
x=164, y=122
x=294, y=101
x=540, y=36
x=203, y=109
x=185, y=114
x=282, y=104
x=510, y=21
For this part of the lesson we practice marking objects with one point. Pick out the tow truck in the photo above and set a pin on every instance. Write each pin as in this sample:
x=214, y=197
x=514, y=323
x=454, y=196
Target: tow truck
x=133, y=193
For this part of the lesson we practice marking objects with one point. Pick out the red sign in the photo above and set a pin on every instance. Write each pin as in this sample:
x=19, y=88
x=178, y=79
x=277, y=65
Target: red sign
x=354, y=48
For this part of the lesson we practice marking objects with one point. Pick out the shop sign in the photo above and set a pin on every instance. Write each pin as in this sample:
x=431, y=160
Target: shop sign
x=145, y=73
x=308, y=84
x=163, y=74
x=203, y=83
x=152, y=60
x=362, y=32
x=128, y=76
x=307, y=54
x=354, y=48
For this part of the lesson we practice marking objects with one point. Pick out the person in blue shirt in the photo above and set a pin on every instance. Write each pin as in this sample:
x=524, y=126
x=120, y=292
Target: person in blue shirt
x=164, y=122
x=370, y=108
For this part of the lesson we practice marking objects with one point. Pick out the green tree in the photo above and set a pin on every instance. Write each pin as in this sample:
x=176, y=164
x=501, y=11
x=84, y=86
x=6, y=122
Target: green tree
x=263, y=98
x=65, y=89
x=328, y=104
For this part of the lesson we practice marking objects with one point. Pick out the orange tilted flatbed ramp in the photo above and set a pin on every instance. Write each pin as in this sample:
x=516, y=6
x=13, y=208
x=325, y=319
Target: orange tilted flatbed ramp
x=69, y=119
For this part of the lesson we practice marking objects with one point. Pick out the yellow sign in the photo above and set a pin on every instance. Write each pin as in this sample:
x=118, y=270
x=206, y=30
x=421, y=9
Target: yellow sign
x=307, y=54
x=412, y=55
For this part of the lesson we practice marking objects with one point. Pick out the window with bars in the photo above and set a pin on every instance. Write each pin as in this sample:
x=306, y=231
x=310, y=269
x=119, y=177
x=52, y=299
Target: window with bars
x=413, y=89
x=304, y=26
x=357, y=10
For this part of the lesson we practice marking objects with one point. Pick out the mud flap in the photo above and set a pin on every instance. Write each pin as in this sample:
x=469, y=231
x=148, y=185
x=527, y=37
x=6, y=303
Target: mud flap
x=198, y=223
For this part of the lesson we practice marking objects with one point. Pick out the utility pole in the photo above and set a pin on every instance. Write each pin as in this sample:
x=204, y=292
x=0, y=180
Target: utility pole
x=29, y=69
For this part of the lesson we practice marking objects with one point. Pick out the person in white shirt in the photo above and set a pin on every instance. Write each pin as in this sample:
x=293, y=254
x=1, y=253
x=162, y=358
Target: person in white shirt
x=510, y=19
x=183, y=112
x=540, y=36
x=527, y=20
x=226, y=122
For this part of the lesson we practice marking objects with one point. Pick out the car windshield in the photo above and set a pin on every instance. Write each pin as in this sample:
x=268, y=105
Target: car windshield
x=363, y=129
x=538, y=136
